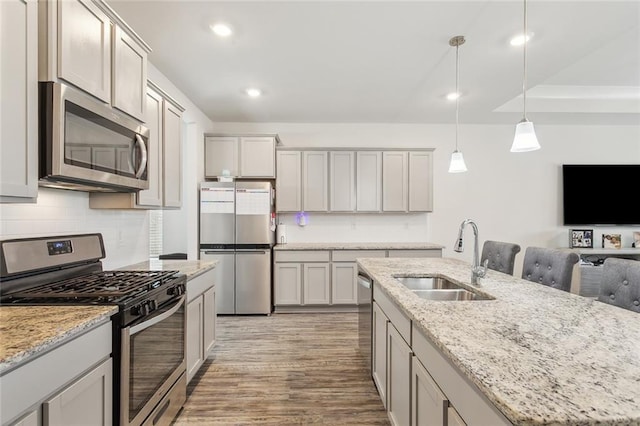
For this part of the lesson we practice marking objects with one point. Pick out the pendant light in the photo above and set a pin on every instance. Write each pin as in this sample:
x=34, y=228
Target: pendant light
x=525, y=138
x=457, y=164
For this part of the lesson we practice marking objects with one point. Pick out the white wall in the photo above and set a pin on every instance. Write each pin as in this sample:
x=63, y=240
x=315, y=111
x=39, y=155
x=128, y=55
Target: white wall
x=512, y=197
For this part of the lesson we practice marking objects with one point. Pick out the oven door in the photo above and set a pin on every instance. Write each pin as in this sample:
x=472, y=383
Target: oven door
x=88, y=145
x=153, y=363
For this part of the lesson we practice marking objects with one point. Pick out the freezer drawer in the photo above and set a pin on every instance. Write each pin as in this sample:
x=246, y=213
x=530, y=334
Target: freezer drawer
x=224, y=279
x=253, y=282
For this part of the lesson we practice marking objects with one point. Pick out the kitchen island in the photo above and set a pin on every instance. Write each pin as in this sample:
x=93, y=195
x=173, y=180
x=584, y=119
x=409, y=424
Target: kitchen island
x=539, y=355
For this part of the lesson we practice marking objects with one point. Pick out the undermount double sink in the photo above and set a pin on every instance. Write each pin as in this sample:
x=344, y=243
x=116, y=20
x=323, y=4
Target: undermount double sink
x=438, y=288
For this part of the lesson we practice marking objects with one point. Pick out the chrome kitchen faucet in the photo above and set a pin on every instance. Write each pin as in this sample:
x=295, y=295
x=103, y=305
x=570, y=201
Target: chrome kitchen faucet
x=477, y=270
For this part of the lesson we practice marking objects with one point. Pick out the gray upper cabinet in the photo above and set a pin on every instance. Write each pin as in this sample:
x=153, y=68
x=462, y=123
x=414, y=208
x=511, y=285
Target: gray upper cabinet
x=420, y=181
x=86, y=44
x=314, y=181
x=289, y=181
x=369, y=181
x=172, y=145
x=395, y=181
x=361, y=181
x=242, y=156
x=342, y=181
x=19, y=107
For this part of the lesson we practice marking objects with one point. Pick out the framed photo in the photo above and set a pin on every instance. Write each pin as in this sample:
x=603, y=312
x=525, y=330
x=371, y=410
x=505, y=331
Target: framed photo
x=636, y=240
x=581, y=238
x=611, y=241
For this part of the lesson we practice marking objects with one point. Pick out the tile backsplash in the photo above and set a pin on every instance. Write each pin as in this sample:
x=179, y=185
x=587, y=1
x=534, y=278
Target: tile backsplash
x=62, y=212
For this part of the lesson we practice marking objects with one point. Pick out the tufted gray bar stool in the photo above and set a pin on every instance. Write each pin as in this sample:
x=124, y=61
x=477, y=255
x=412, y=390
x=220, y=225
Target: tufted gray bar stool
x=501, y=256
x=621, y=283
x=551, y=267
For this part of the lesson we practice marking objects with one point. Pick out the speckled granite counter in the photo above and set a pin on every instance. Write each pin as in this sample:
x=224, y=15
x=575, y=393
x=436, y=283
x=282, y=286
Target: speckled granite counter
x=357, y=246
x=542, y=356
x=191, y=268
x=27, y=331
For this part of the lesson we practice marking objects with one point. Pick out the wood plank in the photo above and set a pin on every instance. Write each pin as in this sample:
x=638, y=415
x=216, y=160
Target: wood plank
x=284, y=369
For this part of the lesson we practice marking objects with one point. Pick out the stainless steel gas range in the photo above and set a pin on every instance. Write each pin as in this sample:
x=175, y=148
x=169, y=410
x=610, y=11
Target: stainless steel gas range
x=148, y=330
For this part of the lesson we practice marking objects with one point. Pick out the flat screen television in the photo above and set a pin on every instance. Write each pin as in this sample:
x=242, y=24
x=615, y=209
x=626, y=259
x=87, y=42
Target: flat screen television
x=599, y=194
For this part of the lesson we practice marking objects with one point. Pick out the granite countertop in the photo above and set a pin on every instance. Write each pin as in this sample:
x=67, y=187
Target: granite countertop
x=27, y=331
x=191, y=268
x=357, y=246
x=541, y=355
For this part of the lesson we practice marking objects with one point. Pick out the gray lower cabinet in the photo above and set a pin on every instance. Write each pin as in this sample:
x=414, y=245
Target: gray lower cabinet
x=201, y=321
x=428, y=404
x=398, y=378
x=288, y=284
x=380, y=322
x=85, y=402
x=418, y=385
x=302, y=283
x=344, y=283
x=69, y=385
x=315, y=284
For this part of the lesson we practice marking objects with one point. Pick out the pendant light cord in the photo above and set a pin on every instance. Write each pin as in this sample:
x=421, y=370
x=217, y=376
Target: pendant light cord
x=457, y=93
x=524, y=77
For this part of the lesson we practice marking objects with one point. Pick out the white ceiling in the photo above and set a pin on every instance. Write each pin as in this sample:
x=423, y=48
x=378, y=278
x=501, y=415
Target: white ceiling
x=390, y=61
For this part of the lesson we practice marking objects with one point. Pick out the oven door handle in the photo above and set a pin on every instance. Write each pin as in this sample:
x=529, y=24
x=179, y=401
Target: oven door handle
x=156, y=319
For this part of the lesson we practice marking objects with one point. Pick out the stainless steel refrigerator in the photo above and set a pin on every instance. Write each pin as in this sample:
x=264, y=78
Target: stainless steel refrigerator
x=237, y=224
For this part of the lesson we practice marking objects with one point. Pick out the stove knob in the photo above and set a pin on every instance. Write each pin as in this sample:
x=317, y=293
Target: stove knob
x=144, y=309
x=176, y=291
x=153, y=305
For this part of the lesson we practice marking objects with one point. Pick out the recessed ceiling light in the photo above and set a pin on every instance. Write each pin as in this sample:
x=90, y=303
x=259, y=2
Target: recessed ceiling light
x=222, y=30
x=519, y=40
x=453, y=96
x=253, y=92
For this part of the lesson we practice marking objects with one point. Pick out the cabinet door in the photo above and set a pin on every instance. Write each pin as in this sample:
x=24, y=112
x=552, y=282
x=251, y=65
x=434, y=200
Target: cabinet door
x=399, y=378
x=88, y=401
x=342, y=181
x=153, y=195
x=172, y=142
x=394, y=181
x=129, y=75
x=31, y=419
x=428, y=403
x=19, y=101
x=209, y=326
x=453, y=418
x=315, y=279
x=84, y=47
x=221, y=153
x=194, y=338
x=288, y=181
x=257, y=156
x=369, y=181
x=288, y=284
x=415, y=253
x=379, y=354
x=344, y=283
x=314, y=181
x=420, y=182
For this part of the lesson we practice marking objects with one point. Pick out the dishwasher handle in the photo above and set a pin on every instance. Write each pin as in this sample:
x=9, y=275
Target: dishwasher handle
x=364, y=280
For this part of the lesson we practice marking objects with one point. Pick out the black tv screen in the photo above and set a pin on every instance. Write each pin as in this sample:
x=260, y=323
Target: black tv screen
x=601, y=194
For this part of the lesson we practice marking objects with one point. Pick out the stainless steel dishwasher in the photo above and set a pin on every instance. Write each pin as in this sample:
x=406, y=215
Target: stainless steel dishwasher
x=365, y=302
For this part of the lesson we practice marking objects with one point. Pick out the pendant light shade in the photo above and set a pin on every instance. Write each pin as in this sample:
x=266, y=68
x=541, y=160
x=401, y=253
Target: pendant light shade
x=457, y=165
x=525, y=137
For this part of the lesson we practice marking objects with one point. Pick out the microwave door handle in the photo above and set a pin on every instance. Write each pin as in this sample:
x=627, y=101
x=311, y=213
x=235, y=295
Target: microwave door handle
x=143, y=161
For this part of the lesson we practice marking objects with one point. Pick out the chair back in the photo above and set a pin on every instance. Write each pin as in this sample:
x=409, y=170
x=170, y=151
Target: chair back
x=551, y=267
x=621, y=283
x=501, y=256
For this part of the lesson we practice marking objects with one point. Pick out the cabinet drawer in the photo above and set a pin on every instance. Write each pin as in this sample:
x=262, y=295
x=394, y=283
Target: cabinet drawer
x=352, y=255
x=301, y=256
x=401, y=322
x=416, y=253
x=198, y=285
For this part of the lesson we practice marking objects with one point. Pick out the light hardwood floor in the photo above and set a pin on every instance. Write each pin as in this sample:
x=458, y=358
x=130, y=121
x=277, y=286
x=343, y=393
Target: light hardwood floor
x=284, y=369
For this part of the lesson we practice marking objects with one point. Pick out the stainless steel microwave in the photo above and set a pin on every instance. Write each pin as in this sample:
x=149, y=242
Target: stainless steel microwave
x=87, y=145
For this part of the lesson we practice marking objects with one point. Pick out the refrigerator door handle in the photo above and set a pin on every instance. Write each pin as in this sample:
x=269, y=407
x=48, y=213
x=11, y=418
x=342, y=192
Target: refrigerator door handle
x=251, y=251
x=219, y=251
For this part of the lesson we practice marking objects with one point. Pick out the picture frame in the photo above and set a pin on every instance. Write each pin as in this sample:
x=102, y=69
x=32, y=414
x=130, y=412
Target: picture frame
x=581, y=238
x=636, y=240
x=611, y=241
